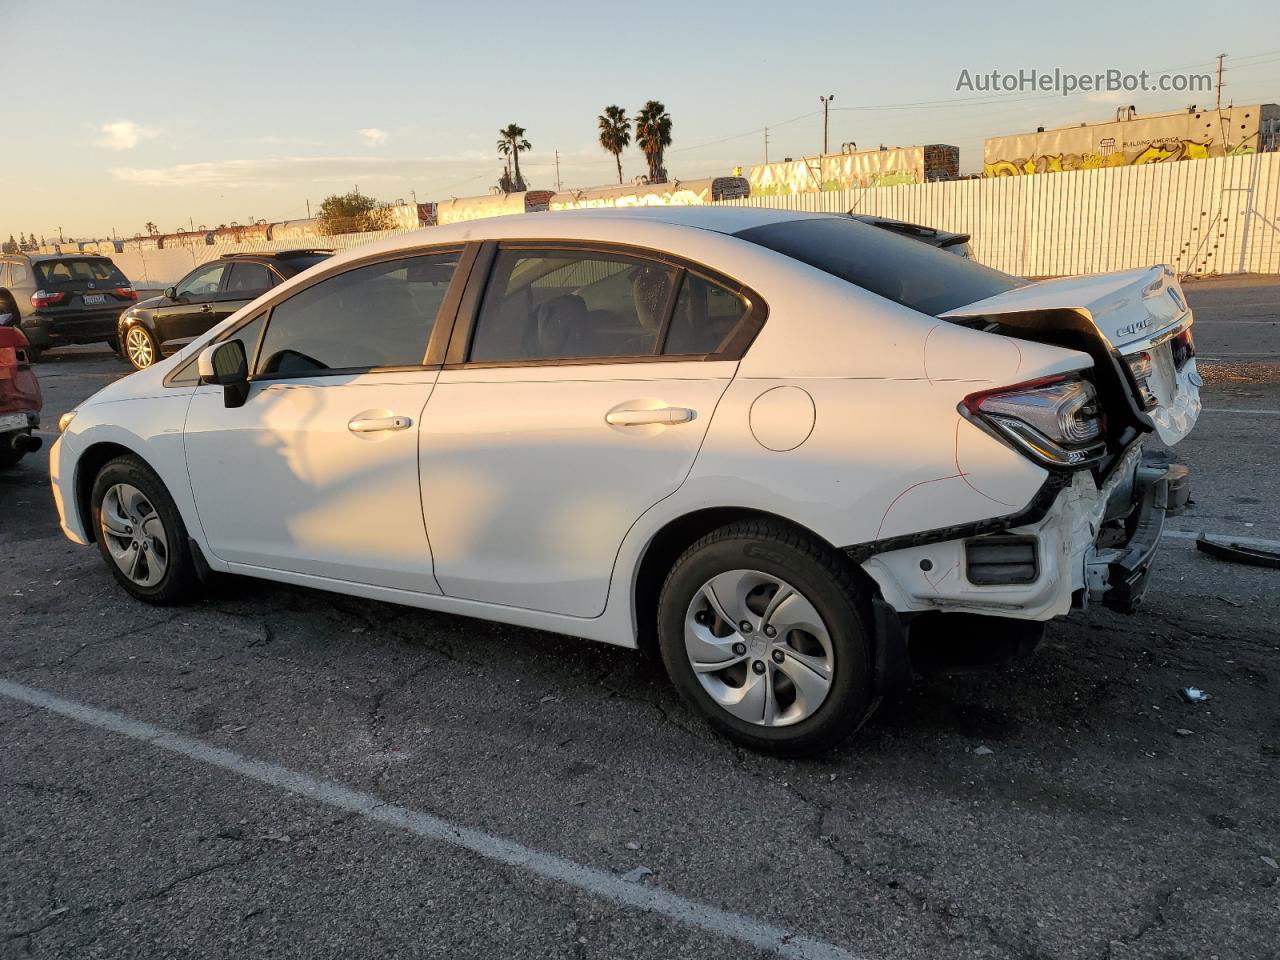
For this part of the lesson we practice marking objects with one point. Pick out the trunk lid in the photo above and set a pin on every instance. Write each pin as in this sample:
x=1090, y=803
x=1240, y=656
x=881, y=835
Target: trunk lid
x=1141, y=315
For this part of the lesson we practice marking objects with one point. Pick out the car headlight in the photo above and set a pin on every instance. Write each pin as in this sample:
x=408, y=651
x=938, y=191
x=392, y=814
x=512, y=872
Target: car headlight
x=64, y=421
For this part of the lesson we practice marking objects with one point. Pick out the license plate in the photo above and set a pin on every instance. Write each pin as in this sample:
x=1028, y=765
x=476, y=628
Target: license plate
x=13, y=421
x=94, y=299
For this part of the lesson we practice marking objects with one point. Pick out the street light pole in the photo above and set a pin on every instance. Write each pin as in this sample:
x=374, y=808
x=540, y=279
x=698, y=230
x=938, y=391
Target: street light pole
x=826, y=106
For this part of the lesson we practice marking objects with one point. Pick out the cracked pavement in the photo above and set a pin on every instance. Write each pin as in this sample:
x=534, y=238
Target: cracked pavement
x=1094, y=829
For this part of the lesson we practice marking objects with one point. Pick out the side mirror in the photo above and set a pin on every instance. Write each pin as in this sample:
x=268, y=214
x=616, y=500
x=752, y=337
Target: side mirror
x=171, y=293
x=224, y=364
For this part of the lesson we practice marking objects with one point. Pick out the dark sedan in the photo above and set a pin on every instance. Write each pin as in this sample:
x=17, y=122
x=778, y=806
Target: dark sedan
x=203, y=298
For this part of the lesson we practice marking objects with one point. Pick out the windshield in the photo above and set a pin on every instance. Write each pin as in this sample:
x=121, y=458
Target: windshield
x=910, y=272
x=54, y=272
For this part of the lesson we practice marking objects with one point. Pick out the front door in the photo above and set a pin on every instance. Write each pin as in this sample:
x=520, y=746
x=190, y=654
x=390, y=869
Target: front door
x=317, y=473
x=191, y=312
x=585, y=390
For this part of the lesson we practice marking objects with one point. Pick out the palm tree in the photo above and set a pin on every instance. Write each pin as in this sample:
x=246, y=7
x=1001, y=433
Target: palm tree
x=653, y=134
x=615, y=133
x=512, y=144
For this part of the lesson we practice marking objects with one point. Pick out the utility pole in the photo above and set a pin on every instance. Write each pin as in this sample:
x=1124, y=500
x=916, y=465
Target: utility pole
x=1221, y=57
x=826, y=107
x=766, y=145
x=308, y=208
x=557, y=171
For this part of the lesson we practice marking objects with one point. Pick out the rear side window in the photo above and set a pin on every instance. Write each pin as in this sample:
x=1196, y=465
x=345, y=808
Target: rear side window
x=706, y=313
x=562, y=304
x=897, y=268
x=54, y=272
x=380, y=315
x=248, y=278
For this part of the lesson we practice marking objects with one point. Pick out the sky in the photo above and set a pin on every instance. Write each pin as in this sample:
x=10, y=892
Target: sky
x=121, y=113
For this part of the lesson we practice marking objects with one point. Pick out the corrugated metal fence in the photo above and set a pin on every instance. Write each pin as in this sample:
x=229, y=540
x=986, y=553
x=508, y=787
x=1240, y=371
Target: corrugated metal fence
x=1199, y=216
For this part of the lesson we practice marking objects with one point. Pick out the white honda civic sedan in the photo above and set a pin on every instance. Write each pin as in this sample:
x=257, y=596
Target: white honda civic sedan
x=777, y=447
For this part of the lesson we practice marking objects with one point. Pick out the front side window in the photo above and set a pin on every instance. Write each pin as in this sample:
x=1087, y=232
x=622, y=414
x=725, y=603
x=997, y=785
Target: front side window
x=202, y=282
x=562, y=304
x=380, y=315
x=251, y=278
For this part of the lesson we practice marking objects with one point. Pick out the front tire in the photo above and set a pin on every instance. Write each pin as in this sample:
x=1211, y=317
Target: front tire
x=141, y=535
x=140, y=348
x=764, y=630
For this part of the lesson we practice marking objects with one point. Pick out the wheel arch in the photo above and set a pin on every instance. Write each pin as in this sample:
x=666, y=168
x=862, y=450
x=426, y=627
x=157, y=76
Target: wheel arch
x=676, y=536
x=90, y=462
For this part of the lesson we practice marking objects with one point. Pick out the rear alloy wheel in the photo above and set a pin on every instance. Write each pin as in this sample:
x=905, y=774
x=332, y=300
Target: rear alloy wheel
x=762, y=630
x=140, y=533
x=140, y=347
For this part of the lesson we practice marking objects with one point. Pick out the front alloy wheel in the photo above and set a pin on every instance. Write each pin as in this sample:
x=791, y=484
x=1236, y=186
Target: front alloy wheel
x=134, y=535
x=139, y=347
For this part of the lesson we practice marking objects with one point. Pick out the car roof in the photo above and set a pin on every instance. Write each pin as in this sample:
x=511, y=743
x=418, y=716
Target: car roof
x=721, y=219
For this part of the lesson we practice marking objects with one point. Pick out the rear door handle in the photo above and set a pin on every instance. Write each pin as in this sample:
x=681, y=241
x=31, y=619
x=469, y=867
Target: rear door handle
x=636, y=418
x=376, y=424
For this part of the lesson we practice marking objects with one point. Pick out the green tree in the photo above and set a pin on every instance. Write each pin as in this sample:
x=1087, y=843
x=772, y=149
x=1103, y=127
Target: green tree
x=653, y=136
x=615, y=133
x=351, y=213
x=151, y=229
x=511, y=144
x=11, y=245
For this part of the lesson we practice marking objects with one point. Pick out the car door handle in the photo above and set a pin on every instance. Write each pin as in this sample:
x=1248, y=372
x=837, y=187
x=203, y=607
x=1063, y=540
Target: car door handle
x=376, y=424
x=636, y=418
x=207, y=308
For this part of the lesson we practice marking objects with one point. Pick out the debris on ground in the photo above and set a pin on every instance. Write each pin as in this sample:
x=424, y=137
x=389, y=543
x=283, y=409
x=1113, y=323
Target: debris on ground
x=632, y=845
x=1194, y=695
x=1223, y=549
x=1271, y=862
x=636, y=875
x=1183, y=732
x=983, y=751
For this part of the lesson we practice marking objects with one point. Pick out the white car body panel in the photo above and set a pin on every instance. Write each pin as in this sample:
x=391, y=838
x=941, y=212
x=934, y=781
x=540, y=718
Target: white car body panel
x=283, y=483
x=841, y=417
x=528, y=492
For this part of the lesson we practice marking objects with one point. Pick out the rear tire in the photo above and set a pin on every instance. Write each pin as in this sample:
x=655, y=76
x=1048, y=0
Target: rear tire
x=793, y=674
x=141, y=535
x=9, y=457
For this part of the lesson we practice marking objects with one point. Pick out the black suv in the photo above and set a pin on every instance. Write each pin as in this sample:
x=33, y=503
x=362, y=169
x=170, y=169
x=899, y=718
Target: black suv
x=204, y=297
x=63, y=298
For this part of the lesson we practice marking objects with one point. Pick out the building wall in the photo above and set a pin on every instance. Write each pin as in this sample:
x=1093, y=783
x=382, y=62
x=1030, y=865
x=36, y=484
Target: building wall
x=1215, y=216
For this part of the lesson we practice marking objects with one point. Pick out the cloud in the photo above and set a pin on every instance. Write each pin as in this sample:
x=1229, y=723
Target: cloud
x=373, y=137
x=124, y=135
x=273, y=171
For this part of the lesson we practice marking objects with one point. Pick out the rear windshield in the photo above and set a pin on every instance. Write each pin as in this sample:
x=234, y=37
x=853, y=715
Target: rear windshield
x=306, y=261
x=54, y=272
x=910, y=272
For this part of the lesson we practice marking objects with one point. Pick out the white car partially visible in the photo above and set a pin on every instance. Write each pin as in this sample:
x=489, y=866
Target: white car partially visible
x=779, y=446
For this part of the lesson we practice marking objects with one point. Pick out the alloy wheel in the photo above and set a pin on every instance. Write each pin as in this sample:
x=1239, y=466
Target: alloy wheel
x=759, y=648
x=134, y=534
x=138, y=346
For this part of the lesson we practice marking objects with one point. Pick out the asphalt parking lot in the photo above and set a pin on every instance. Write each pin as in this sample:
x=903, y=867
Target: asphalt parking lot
x=282, y=772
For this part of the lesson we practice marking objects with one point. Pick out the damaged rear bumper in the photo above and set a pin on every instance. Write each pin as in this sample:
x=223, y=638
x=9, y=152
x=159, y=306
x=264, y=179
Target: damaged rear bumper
x=1043, y=569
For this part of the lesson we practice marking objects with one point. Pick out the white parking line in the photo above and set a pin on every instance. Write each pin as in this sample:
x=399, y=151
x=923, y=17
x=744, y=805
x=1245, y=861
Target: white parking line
x=607, y=886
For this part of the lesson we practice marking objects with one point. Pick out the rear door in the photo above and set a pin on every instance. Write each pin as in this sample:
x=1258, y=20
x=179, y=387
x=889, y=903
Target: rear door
x=581, y=383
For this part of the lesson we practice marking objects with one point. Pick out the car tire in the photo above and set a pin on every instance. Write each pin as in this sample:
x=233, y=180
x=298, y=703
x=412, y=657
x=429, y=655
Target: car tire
x=141, y=535
x=116, y=348
x=9, y=457
x=794, y=675
x=140, y=347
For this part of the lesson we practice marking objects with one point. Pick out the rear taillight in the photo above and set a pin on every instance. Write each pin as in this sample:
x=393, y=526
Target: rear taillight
x=1140, y=368
x=1184, y=348
x=43, y=298
x=126, y=293
x=1055, y=421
